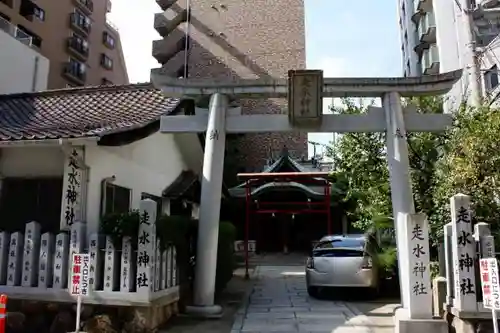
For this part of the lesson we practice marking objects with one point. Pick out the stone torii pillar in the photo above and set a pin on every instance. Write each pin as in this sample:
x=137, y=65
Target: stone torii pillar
x=304, y=90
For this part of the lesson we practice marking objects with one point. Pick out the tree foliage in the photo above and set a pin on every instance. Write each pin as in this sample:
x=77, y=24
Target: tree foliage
x=359, y=159
x=470, y=165
x=464, y=159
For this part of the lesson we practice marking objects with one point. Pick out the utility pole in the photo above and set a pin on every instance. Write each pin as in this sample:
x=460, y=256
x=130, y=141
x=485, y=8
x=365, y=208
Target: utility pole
x=471, y=62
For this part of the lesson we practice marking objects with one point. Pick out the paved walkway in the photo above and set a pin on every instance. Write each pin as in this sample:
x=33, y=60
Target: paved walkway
x=279, y=303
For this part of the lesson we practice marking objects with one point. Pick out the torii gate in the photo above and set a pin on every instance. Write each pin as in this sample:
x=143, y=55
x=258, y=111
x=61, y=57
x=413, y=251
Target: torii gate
x=304, y=90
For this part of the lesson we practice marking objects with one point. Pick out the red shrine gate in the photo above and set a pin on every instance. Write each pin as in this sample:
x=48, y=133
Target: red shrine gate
x=255, y=180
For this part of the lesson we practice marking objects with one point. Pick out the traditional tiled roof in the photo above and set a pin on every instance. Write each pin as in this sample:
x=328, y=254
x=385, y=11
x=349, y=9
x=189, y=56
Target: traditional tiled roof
x=185, y=181
x=81, y=112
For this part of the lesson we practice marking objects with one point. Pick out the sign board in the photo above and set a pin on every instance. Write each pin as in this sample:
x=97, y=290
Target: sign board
x=305, y=97
x=490, y=283
x=80, y=274
x=239, y=246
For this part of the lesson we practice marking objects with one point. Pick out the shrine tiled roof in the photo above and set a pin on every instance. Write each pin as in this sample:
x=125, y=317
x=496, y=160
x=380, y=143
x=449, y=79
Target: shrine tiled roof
x=181, y=185
x=81, y=112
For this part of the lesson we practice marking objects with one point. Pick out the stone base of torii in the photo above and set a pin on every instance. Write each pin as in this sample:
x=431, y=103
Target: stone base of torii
x=305, y=90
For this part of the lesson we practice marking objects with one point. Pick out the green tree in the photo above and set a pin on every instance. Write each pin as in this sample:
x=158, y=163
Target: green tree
x=361, y=158
x=470, y=166
x=464, y=159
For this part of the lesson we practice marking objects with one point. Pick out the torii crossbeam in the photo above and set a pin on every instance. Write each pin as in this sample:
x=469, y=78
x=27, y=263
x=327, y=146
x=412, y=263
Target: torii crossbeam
x=304, y=90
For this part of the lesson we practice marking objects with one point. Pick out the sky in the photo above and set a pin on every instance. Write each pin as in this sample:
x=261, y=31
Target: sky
x=355, y=38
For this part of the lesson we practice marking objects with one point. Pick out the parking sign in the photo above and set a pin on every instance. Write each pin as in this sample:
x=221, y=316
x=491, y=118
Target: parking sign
x=490, y=283
x=80, y=273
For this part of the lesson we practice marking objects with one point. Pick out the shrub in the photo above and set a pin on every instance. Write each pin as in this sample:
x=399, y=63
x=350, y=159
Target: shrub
x=119, y=225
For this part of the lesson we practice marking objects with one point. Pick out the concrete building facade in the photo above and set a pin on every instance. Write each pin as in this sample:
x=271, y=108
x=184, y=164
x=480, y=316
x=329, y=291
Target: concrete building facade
x=237, y=40
x=82, y=47
x=441, y=36
x=22, y=68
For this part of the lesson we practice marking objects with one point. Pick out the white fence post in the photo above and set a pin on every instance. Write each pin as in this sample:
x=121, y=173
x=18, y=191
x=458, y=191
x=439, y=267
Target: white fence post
x=420, y=298
x=110, y=265
x=464, y=254
x=448, y=250
x=95, y=279
x=46, y=261
x=174, y=266
x=127, y=270
x=164, y=265
x=146, y=248
x=15, y=259
x=31, y=254
x=4, y=252
x=170, y=253
x=61, y=261
x=157, y=263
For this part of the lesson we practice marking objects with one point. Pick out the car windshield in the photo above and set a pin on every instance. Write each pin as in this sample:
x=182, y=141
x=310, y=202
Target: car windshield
x=344, y=247
x=354, y=243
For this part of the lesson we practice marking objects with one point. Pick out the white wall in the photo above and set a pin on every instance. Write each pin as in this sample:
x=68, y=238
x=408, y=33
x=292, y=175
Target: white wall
x=22, y=69
x=31, y=162
x=148, y=165
x=410, y=29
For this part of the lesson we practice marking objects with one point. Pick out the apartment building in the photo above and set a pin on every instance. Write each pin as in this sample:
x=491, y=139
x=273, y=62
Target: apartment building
x=236, y=39
x=82, y=47
x=443, y=35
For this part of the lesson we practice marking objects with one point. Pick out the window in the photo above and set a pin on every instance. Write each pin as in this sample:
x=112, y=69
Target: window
x=106, y=61
x=491, y=78
x=88, y=4
x=39, y=13
x=76, y=69
x=108, y=40
x=21, y=32
x=81, y=21
x=79, y=43
x=30, y=10
x=4, y=17
x=117, y=199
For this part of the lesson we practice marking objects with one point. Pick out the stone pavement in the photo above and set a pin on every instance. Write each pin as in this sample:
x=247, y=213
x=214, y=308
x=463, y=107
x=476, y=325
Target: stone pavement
x=279, y=303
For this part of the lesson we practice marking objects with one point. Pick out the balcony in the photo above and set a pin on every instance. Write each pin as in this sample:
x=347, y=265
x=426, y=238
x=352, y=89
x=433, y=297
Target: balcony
x=165, y=4
x=430, y=60
x=80, y=23
x=166, y=48
x=427, y=28
x=78, y=48
x=422, y=5
x=75, y=75
x=489, y=3
x=15, y=32
x=169, y=20
x=174, y=67
x=86, y=6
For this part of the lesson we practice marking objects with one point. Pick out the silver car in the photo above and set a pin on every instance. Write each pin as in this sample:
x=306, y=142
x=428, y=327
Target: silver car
x=342, y=261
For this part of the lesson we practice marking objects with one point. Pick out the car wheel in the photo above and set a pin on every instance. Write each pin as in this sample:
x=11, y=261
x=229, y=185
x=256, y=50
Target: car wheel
x=313, y=291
